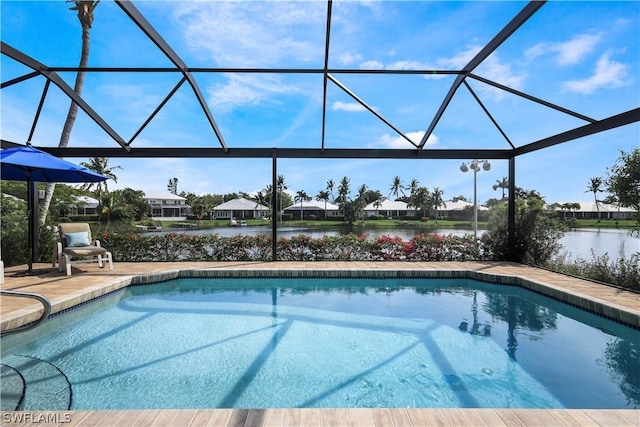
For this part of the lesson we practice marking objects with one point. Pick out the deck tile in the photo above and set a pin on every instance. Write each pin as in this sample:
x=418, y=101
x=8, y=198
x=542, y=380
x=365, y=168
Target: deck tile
x=381, y=417
x=292, y=417
x=201, y=417
x=273, y=417
x=91, y=419
x=237, y=419
x=183, y=417
x=146, y=418
x=219, y=417
x=491, y=417
x=310, y=417
x=346, y=417
x=400, y=417
x=608, y=417
x=165, y=418
x=87, y=282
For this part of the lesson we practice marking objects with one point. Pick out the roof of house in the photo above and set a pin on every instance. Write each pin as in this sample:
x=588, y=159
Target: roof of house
x=87, y=201
x=591, y=207
x=313, y=204
x=387, y=205
x=459, y=205
x=162, y=195
x=240, y=204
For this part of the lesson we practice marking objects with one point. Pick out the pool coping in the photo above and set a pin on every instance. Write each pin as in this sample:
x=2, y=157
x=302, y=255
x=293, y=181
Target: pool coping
x=91, y=283
x=589, y=303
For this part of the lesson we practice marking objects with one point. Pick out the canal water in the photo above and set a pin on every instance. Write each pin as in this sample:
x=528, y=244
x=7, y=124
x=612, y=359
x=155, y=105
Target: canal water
x=577, y=244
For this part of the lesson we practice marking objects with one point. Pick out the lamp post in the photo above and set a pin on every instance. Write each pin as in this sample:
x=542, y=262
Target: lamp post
x=475, y=166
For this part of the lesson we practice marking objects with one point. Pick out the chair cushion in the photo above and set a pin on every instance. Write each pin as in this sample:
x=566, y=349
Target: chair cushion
x=78, y=239
x=85, y=251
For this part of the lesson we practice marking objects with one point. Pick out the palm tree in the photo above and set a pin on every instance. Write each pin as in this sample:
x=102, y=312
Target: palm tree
x=413, y=185
x=343, y=190
x=396, y=187
x=504, y=184
x=301, y=196
x=330, y=187
x=172, y=186
x=85, y=10
x=437, y=200
x=362, y=199
x=100, y=165
x=259, y=199
x=377, y=205
x=280, y=187
x=323, y=196
x=595, y=186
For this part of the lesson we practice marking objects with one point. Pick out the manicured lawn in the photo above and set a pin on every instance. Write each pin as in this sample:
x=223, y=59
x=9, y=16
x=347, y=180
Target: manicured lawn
x=605, y=223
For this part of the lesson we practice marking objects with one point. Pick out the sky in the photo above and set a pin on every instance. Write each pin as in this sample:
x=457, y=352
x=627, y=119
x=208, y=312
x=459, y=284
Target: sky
x=583, y=56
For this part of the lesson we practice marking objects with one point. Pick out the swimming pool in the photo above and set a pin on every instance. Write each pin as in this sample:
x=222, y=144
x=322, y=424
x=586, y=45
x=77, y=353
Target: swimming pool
x=284, y=342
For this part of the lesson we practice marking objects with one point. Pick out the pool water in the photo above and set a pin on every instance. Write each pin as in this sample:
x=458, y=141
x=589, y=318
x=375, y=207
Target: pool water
x=258, y=343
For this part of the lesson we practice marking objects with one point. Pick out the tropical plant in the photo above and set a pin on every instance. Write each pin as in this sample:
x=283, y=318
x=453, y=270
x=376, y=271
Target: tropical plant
x=460, y=198
x=281, y=185
x=537, y=235
x=85, y=10
x=330, y=187
x=100, y=165
x=396, y=187
x=343, y=190
x=301, y=196
x=503, y=184
x=130, y=204
x=362, y=200
x=323, y=196
x=13, y=230
x=436, y=199
x=377, y=205
x=413, y=185
x=172, y=186
x=595, y=187
x=421, y=200
x=624, y=182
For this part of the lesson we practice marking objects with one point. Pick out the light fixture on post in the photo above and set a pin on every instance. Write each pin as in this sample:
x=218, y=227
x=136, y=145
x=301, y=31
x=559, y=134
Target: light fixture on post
x=475, y=167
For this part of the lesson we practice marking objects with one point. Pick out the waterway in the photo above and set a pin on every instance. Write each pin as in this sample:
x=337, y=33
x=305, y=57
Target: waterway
x=577, y=244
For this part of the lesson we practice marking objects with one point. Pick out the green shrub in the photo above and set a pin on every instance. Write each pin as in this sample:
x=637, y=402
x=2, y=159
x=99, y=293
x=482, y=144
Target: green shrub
x=537, y=235
x=622, y=272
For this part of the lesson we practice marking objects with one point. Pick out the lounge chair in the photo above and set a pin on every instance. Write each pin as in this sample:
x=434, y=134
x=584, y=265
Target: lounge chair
x=75, y=242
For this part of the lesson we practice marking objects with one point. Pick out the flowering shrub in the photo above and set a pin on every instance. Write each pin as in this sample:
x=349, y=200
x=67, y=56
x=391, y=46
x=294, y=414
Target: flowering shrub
x=185, y=247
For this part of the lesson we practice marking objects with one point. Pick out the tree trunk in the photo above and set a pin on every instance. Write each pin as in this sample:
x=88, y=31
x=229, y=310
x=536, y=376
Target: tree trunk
x=86, y=18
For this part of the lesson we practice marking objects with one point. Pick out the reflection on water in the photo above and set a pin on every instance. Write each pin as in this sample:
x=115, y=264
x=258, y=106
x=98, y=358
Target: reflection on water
x=580, y=243
x=587, y=242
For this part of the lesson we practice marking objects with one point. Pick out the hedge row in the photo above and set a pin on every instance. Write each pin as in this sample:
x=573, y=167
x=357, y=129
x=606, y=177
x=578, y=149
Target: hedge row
x=184, y=247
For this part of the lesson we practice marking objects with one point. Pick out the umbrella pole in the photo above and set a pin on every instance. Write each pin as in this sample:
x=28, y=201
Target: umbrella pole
x=32, y=218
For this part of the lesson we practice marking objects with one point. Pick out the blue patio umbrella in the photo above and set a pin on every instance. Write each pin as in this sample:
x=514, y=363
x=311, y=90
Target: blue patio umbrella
x=26, y=163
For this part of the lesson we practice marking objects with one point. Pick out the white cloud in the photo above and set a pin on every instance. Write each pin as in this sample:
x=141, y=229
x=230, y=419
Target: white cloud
x=493, y=69
x=350, y=107
x=252, y=34
x=608, y=73
x=461, y=59
x=247, y=90
x=372, y=65
x=348, y=58
x=392, y=141
x=408, y=65
x=569, y=52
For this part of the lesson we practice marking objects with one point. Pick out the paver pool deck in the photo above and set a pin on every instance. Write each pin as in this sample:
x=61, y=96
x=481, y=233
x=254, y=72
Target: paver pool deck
x=89, y=282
